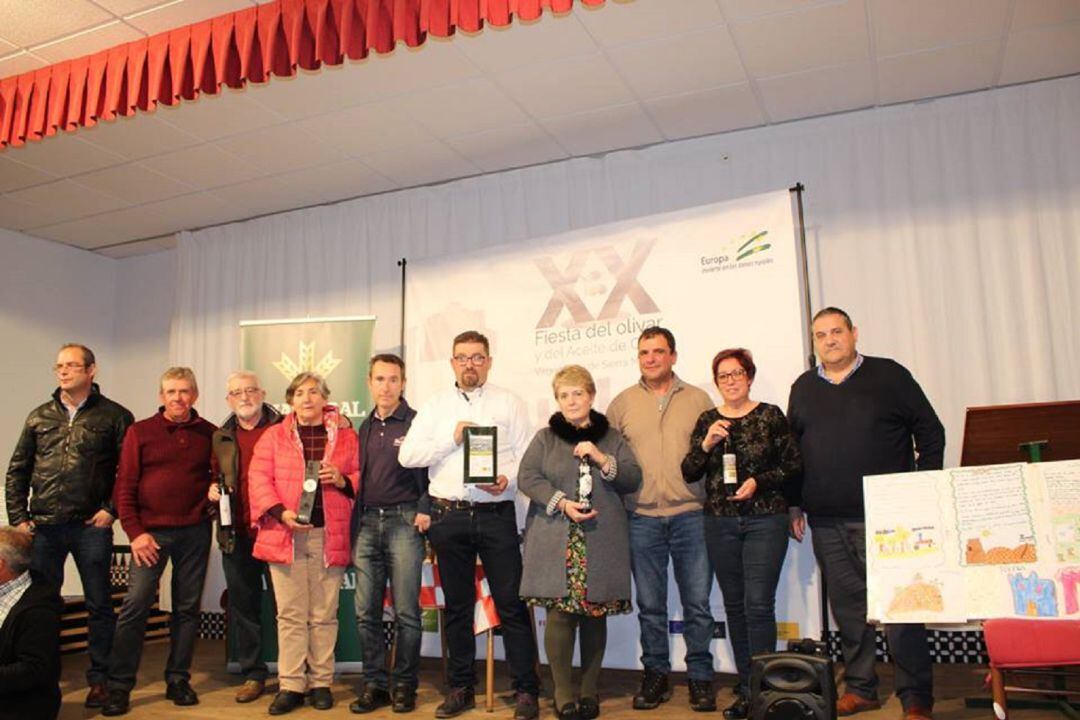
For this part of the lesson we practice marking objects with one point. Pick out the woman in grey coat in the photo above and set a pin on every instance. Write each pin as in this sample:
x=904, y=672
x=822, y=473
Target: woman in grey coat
x=577, y=545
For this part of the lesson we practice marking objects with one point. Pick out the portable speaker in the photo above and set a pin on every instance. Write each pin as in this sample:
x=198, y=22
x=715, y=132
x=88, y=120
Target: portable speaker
x=792, y=686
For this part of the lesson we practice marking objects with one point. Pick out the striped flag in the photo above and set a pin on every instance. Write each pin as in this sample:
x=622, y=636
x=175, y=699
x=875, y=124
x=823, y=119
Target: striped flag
x=431, y=592
x=484, y=615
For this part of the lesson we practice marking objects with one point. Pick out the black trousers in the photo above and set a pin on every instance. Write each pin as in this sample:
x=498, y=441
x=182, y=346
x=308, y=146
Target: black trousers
x=458, y=536
x=244, y=579
x=840, y=548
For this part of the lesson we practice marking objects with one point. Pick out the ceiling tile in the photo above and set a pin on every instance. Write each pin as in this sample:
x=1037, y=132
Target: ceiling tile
x=17, y=215
x=820, y=36
x=204, y=166
x=420, y=164
x=135, y=183
x=138, y=136
x=19, y=63
x=126, y=7
x=406, y=70
x=1041, y=53
x=280, y=148
x=818, y=92
x=944, y=71
x=1035, y=13
x=67, y=200
x=472, y=106
x=142, y=247
x=257, y=197
x=24, y=25
x=174, y=14
x=89, y=232
x=211, y=117
x=902, y=27
x=366, y=129
x=87, y=42
x=706, y=112
x=508, y=147
x=616, y=23
x=64, y=154
x=585, y=83
x=14, y=175
x=336, y=181
x=605, y=129
x=550, y=38
x=685, y=63
x=736, y=10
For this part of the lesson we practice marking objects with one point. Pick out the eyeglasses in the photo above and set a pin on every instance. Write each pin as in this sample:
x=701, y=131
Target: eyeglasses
x=476, y=359
x=244, y=391
x=733, y=375
x=60, y=367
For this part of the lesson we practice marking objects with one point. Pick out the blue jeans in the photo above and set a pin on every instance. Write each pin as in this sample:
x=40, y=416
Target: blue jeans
x=652, y=541
x=387, y=544
x=747, y=554
x=92, y=549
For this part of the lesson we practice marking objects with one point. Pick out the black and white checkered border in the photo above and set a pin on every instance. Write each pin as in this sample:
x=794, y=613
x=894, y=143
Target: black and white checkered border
x=212, y=625
x=946, y=646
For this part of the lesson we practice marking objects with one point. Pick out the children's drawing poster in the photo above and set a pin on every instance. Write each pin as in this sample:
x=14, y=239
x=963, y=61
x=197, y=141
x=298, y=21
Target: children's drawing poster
x=971, y=543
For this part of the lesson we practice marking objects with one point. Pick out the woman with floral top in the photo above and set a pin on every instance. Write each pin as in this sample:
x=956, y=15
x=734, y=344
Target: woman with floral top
x=746, y=522
x=577, y=543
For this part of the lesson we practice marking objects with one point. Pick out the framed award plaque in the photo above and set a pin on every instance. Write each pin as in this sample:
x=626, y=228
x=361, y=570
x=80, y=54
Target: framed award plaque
x=481, y=455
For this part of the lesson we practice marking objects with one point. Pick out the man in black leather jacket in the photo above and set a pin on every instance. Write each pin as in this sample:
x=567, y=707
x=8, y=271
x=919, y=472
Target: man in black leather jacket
x=59, y=487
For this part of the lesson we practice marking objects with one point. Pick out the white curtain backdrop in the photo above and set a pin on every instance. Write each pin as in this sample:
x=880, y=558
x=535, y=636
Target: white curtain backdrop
x=949, y=229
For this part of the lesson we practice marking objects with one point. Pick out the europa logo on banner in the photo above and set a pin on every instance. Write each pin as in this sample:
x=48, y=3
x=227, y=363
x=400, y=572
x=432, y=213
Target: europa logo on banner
x=336, y=348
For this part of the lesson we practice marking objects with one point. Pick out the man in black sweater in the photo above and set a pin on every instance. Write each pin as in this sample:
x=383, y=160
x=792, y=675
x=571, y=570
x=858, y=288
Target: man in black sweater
x=853, y=416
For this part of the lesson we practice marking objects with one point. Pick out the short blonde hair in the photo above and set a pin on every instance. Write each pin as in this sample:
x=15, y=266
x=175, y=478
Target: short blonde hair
x=303, y=378
x=178, y=373
x=573, y=376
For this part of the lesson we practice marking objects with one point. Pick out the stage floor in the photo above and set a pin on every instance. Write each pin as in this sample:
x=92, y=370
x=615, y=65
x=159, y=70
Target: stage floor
x=216, y=688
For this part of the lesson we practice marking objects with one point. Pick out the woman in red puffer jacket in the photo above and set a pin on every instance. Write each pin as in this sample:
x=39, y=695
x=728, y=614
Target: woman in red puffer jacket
x=307, y=559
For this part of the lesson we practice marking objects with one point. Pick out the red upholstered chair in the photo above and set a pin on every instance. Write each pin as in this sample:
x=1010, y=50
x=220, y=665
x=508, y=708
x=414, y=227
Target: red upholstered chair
x=1030, y=647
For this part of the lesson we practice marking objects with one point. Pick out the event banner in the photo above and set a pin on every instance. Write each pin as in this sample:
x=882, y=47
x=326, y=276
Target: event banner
x=971, y=543
x=336, y=348
x=718, y=276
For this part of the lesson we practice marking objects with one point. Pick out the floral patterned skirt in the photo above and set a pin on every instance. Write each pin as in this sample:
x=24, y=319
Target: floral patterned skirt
x=575, y=602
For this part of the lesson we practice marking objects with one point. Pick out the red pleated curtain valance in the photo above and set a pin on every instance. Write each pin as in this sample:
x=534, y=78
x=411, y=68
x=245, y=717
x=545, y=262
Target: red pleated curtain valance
x=231, y=49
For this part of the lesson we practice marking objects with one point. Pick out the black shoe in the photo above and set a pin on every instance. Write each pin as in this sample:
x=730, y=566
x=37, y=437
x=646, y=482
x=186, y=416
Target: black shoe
x=285, y=702
x=370, y=698
x=322, y=698
x=589, y=708
x=738, y=710
x=181, y=693
x=97, y=696
x=702, y=696
x=569, y=711
x=117, y=702
x=404, y=699
x=526, y=706
x=654, y=690
x=457, y=701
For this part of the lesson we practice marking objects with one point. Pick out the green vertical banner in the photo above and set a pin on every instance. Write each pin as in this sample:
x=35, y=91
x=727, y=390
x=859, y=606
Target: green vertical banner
x=338, y=349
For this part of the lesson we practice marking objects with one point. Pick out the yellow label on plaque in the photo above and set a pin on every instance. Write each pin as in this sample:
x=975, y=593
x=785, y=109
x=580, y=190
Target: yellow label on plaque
x=788, y=631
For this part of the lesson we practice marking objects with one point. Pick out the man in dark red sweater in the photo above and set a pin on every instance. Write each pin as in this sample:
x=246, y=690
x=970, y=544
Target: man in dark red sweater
x=161, y=489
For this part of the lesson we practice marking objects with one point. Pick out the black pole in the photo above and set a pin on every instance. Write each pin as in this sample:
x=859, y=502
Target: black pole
x=801, y=229
x=798, y=190
x=401, y=264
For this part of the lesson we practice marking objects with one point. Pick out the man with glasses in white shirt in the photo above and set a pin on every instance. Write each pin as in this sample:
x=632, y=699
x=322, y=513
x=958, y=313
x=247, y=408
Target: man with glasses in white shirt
x=469, y=520
x=67, y=455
